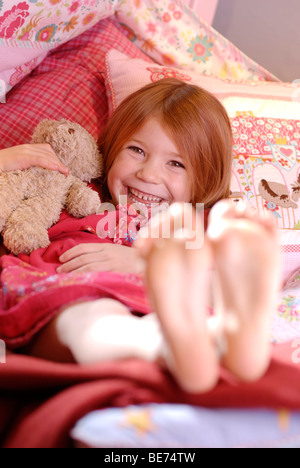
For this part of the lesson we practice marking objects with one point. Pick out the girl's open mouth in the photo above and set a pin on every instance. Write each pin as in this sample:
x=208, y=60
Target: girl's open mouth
x=142, y=198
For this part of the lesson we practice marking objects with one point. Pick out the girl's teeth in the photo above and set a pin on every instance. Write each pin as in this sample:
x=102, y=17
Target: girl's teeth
x=148, y=198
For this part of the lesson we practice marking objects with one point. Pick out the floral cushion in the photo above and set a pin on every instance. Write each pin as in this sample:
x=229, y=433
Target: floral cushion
x=172, y=34
x=29, y=29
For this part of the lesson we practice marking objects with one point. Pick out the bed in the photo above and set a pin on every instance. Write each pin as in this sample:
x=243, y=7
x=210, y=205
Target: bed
x=79, y=64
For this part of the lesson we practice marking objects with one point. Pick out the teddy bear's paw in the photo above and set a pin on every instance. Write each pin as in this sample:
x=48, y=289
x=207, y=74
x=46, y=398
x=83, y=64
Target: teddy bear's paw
x=84, y=202
x=25, y=239
x=93, y=204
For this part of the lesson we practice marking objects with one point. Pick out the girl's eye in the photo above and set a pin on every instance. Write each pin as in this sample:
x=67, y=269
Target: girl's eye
x=135, y=149
x=177, y=164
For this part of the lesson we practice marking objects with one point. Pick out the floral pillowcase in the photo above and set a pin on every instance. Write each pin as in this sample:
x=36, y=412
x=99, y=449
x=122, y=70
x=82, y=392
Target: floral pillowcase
x=30, y=29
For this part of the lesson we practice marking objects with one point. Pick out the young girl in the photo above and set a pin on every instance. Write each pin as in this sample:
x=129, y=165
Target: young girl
x=85, y=298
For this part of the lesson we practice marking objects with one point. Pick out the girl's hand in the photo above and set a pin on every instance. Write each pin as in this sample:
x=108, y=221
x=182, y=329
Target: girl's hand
x=102, y=257
x=25, y=156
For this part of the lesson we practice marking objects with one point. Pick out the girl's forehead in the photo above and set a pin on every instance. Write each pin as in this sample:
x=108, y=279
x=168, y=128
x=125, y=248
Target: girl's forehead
x=154, y=133
x=153, y=125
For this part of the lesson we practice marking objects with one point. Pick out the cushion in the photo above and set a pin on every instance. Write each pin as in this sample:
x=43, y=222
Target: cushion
x=30, y=29
x=261, y=98
x=265, y=119
x=65, y=86
x=172, y=34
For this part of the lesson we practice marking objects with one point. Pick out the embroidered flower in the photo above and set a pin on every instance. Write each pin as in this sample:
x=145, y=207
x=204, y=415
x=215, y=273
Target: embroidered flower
x=149, y=44
x=88, y=19
x=130, y=34
x=130, y=237
x=161, y=73
x=177, y=15
x=289, y=309
x=167, y=18
x=74, y=7
x=270, y=206
x=283, y=162
x=168, y=59
x=13, y=19
x=151, y=28
x=201, y=49
x=46, y=33
x=71, y=24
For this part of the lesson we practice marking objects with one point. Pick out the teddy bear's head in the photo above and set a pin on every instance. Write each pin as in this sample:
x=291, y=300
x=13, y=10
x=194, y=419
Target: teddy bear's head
x=73, y=145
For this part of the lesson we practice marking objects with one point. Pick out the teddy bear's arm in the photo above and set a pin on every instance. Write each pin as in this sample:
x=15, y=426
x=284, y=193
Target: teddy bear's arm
x=11, y=194
x=82, y=200
x=26, y=228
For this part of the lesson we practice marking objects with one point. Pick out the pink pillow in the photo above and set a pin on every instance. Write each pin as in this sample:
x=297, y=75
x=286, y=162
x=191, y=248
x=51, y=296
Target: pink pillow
x=125, y=76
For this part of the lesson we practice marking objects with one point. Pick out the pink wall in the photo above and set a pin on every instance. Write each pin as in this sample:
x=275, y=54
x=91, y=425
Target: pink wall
x=205, y=8
x=265, y=30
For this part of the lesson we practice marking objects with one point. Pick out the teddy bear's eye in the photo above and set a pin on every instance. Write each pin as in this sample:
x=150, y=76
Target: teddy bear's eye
x=71, y=131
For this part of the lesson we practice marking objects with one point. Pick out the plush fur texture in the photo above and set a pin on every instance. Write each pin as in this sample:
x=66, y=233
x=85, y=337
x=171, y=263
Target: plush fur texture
x=32, y=200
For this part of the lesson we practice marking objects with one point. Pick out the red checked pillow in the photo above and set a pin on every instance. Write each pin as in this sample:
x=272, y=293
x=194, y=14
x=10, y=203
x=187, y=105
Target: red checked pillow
x=68, y=84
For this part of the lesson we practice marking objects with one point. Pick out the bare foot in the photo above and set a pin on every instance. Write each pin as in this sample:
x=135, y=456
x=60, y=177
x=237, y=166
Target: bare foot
x=246, y=257
x=178, y=285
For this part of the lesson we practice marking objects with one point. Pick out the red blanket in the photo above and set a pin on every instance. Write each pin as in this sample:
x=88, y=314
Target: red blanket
x=41, y=401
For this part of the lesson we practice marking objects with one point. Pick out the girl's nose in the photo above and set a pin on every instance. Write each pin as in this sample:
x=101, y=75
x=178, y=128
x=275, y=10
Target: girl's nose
x=149, y=172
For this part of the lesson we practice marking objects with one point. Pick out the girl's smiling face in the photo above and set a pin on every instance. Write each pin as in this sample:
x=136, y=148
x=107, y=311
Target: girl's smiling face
x=149, y=169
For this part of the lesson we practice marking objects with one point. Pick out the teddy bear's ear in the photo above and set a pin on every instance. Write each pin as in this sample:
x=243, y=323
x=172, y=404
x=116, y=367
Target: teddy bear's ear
x=43, y=130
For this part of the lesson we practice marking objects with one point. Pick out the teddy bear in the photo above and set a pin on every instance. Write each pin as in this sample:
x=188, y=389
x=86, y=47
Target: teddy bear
x=32, y=200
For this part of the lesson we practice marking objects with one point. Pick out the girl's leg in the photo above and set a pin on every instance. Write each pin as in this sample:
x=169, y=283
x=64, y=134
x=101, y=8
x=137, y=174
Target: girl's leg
x=178, y=282
x=246, y=256
x=105, y=330
x=245, y=253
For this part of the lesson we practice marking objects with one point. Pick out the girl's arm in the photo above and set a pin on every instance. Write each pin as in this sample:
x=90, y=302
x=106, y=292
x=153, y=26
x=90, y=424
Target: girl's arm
x=102, y=257
x=25, y=156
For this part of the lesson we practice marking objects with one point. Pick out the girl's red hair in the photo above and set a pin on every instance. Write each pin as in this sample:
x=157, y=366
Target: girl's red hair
x=197, y=123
